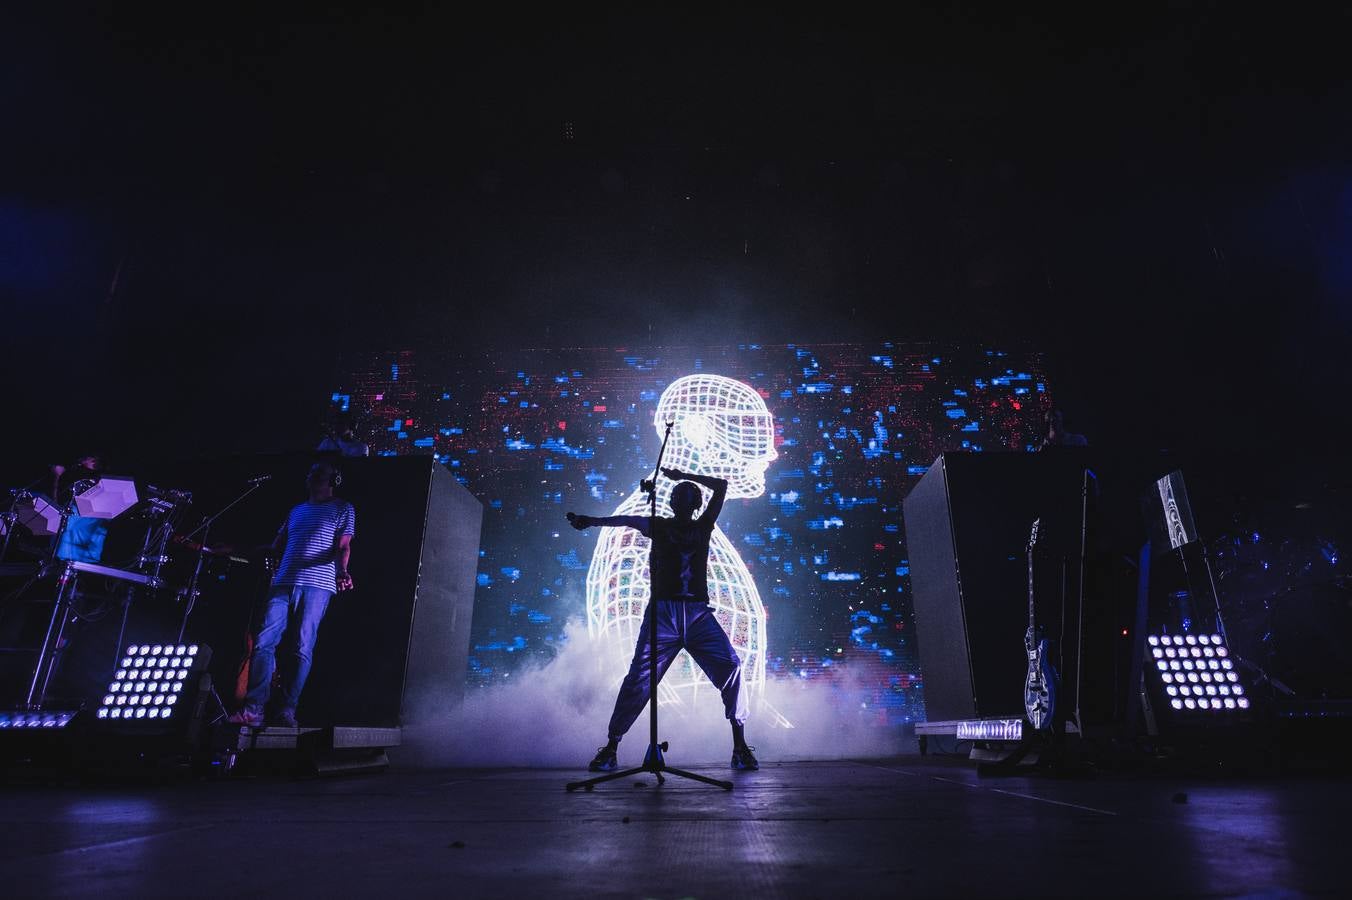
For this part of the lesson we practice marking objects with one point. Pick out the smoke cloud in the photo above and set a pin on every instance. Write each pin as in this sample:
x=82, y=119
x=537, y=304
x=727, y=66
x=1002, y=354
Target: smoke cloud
x=555, y=715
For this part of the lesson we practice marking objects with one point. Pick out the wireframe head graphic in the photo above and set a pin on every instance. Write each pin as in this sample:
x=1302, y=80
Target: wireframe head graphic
x=722, y=428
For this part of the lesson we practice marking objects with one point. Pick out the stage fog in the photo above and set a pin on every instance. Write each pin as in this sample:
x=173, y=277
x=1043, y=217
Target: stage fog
x=817, y=599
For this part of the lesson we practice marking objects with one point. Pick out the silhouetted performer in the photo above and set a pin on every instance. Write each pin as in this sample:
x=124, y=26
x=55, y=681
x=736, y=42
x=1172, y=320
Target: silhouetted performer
x=317, y=542
x=1055, y=435
x=678, y=559
x=65, y=478
x=346, y=444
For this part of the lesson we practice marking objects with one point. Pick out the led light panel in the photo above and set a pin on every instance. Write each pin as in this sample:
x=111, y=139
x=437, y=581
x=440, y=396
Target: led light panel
x=991, y=730
x=149, y=681
x=35, y=719
x=1196, y=674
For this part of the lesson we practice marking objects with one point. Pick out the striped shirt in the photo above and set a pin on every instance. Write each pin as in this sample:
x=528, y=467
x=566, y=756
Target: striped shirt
x=311, y=531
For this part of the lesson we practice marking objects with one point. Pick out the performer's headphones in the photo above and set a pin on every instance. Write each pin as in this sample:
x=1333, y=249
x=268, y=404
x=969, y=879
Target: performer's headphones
x=335, y=473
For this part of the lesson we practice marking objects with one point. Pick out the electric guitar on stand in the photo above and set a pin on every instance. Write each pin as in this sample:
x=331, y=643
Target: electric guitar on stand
x=1039, y=687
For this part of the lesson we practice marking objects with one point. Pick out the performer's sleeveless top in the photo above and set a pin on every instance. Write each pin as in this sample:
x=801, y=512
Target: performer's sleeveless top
x=678, y=560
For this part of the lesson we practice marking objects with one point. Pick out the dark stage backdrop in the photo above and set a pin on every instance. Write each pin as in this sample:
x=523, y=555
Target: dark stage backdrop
x=536, y=433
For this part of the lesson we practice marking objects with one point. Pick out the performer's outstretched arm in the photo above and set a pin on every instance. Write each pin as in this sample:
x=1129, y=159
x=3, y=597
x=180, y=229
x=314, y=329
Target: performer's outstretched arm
x=718, y=485
x=639, y=523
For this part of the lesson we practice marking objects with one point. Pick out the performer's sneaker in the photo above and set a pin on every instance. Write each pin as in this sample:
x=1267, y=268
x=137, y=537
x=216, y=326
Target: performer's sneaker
x=604, y=762
x=285, y=718
x=743, y=758
x=249, y=717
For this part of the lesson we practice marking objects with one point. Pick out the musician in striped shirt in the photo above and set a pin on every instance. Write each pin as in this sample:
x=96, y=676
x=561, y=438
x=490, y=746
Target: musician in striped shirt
x=315, y=544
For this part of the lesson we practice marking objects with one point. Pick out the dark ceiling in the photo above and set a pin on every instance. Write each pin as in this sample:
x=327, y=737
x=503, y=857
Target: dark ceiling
x=200, y=213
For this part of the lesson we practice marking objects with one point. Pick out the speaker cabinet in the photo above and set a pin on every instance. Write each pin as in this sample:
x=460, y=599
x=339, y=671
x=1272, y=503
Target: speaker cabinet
x=968, y=522
x=397, y=647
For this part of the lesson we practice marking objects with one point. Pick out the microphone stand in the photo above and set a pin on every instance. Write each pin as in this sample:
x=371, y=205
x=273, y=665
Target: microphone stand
x=652, y=760
x=205, y=530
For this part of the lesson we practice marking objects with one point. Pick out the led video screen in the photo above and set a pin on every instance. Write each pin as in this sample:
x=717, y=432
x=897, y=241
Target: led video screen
x=815, y=550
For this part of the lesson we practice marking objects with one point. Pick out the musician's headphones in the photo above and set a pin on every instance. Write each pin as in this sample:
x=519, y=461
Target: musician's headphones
x=335, y=473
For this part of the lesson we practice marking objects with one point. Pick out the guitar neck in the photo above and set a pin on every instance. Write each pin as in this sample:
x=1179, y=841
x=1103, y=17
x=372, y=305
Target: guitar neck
x=1032, y=542
x=1030, y=585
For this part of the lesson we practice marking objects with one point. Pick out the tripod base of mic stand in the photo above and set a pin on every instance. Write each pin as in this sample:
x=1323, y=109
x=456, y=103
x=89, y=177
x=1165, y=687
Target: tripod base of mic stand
x=654, y=763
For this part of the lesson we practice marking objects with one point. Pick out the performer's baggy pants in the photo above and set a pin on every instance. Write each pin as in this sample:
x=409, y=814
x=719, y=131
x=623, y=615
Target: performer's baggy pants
x=680, y=625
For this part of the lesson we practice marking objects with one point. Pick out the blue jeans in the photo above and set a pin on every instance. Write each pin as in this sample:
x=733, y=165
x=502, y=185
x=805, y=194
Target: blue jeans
x=305, y=608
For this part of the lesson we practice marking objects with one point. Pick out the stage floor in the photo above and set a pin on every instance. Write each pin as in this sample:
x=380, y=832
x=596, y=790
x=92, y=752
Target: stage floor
x=908, y=826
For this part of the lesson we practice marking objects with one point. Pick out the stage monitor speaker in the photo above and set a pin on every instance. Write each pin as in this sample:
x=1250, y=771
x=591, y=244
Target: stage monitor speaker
x=967, y=528
x=397, y=647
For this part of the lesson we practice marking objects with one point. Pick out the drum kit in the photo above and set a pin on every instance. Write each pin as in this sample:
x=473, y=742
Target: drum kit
x=1288, y=602
x=67, y=543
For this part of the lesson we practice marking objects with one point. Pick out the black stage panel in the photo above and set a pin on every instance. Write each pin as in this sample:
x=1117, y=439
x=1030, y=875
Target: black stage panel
x=967, y=528
x=404, y=631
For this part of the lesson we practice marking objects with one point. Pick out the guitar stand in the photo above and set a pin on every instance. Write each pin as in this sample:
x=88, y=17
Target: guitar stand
x=653, y=760
x=1033, y=752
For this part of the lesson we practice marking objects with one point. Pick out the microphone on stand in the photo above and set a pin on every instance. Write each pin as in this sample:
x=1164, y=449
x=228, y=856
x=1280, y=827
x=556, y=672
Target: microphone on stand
x=258, y=479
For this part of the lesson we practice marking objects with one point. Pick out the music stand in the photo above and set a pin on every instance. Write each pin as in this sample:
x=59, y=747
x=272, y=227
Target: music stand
x=652, y=760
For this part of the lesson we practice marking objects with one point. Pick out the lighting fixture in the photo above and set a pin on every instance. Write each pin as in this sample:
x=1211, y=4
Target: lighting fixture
x=1197, y=676
x=150, y=680
x=44, y=718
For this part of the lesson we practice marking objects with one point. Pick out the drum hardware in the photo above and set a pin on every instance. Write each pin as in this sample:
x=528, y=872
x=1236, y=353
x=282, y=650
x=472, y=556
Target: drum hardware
x=150, y=581
x=160, y=508
x=35, y=513
x=56, y=629
x=104, y=498
x=9, y=520
x=172, y=496
x=157, y=507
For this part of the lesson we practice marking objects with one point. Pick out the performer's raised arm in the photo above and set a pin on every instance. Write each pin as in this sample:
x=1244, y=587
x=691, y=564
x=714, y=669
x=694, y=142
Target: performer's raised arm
x=639, y=523
x=718, y=485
